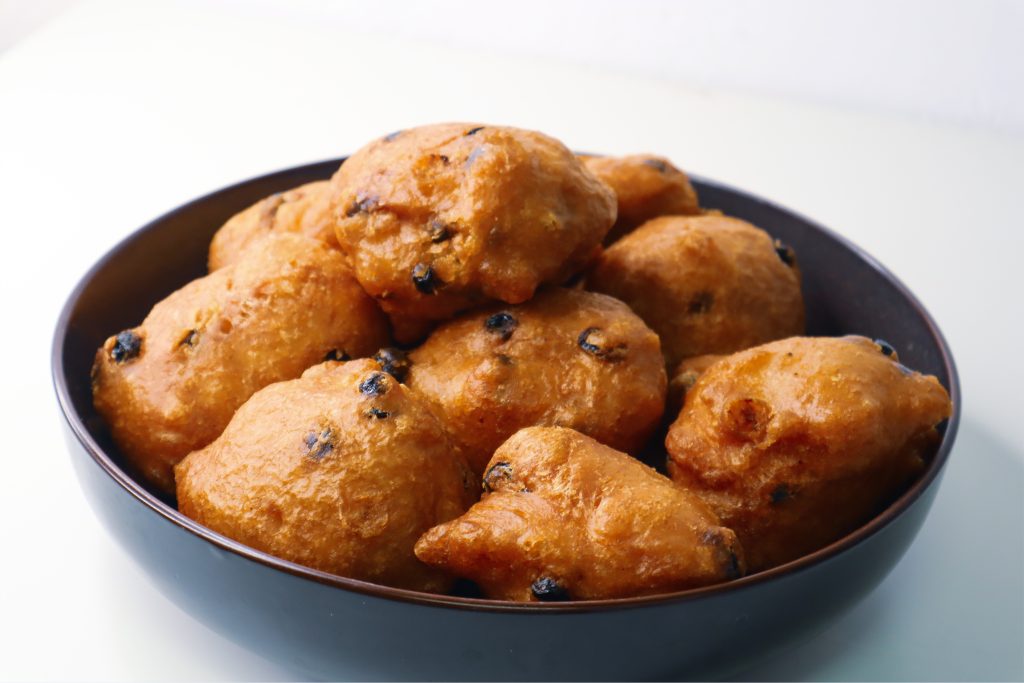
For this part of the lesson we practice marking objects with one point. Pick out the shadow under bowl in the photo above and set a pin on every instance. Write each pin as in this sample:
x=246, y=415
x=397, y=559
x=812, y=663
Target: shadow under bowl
x=331, y=627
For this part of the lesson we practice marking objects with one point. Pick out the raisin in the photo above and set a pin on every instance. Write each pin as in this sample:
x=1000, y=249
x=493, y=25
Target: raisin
x=700, y=303
x=319, y=443
x=190, y=339
x=474, y=131
x=547, y=589
x=499, y=471
x=438, y=231
x=374, y=385
x=378, y=413
x=127, y=345
x=393, y=361
x=502, y=324
x=337, y=355
x=780, y=494
x=592, y=341
x=886, y=348
x=657, y=164
x=785, y=253
x=364, y=203
x=727, y=555
x=425, y=279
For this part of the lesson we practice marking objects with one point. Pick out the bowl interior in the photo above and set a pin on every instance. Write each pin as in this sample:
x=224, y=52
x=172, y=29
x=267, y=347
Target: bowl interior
x=845, y=291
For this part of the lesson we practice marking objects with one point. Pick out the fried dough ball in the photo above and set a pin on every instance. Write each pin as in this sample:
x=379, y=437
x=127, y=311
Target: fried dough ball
x=305, y=209
x=800, y=441
x=564, y=517
x=567, y=358
x=170, y=385
x=645, y=186
x=340, y=470
x=705, y=284
x=442, y=218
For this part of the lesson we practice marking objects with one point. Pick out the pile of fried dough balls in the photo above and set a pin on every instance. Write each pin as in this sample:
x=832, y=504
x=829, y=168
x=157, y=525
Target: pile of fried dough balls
x=447, y=361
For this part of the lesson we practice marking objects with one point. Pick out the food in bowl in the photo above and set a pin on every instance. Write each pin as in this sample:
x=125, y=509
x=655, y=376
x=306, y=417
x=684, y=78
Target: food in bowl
x=513, y=247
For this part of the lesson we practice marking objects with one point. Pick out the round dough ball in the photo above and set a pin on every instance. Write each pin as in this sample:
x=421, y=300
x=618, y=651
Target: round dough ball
x=441, y=218
x=567, y=358
x=564, y=517
x=705, y=284
x=305, y=209
x=170, y=385
x=340, y=470
x=645, y=186
x=798, y=442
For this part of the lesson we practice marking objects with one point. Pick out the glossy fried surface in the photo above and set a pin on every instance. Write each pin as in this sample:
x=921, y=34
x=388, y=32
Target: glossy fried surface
x=705, y=284
x=340, y=470
x=568, y=358
x=798, y=442
x=170, y=385
x=646, y=186
x=564, y=517
x=441, y=218
x=305, y=209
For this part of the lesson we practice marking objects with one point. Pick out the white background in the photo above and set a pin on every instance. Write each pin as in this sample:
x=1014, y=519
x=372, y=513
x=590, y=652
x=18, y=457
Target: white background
x=898, y=124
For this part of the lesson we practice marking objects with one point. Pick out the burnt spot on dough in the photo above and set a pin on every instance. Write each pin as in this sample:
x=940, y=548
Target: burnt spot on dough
x=547, y=589
x=497, y=473
x=474, y=131
x=378, y=413
x=593, y=341
x=725, y=550
x=438, y=230
x=443, y=158
x=747, y=419
x=393, y=361
x=504, y=359
x=374, y=385
x=780, y=494
x=700, y=303
x=364, y=203
x=501, y=324
x=319, y=442
x=127, y=345
x=425, y=279
x=657, y=164
x=337, y=355
x=189, y=339
x=785, y=253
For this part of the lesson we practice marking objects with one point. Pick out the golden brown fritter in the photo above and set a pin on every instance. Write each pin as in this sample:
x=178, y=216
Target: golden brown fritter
x=567, y=358
x=441, y=218
x=564, y=517
x=705, y=284
x=341, y=470
x=800, y=441
x=170, y=385
x=305, y=209
x=645, y=186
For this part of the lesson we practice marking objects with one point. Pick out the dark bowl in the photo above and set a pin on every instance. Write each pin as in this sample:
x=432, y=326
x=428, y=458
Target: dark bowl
x=331, y=627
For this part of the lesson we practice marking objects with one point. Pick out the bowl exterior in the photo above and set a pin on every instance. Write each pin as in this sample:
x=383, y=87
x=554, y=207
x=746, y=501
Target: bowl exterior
x=325, y=630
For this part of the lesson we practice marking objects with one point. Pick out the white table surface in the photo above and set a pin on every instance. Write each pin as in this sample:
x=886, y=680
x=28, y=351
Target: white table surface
x=117, y=111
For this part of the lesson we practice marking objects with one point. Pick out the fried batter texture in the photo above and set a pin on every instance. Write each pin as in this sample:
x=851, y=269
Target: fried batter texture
x=340, y=470
x=567, y=358
x=645, y=186
x=705, y=284
x=798, y=442
x=438, y=219
x=305, y=209
x=564, y=517
x=170, y=385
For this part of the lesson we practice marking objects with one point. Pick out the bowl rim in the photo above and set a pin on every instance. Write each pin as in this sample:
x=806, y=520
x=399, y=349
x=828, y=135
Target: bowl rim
x=801, y=564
